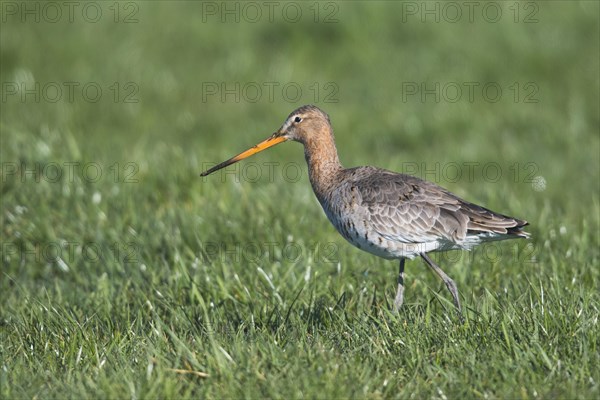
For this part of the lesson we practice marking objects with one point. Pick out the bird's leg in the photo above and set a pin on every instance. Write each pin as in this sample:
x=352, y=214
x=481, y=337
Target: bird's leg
x=447, y=280
x=400, y=292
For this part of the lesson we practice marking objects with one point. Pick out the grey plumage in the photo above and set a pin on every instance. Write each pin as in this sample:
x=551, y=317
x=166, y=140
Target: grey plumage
x=396, y=215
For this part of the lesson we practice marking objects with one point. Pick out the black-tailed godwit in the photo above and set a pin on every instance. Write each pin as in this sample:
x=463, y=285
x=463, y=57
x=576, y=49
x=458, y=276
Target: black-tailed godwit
x=391, y=215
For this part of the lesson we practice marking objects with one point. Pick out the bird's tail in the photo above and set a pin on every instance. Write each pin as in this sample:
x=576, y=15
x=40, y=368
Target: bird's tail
x=484, y=221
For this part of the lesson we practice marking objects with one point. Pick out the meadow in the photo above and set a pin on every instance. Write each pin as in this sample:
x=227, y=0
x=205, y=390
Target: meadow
x=127, y=275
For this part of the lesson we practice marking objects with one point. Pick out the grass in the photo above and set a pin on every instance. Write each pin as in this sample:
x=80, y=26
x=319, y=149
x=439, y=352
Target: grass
x=133, y=277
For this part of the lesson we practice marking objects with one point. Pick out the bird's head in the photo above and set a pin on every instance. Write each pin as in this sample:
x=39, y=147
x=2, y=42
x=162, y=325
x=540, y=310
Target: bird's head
x=303, y=125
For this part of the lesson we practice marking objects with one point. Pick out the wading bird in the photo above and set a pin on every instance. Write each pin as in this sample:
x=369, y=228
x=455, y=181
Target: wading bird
x=391, y=215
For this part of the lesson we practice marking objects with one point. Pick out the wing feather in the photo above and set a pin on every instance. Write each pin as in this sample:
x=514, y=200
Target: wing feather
x=407, y=209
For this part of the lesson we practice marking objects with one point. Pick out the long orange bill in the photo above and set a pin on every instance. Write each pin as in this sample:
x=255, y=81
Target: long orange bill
x=265, y=144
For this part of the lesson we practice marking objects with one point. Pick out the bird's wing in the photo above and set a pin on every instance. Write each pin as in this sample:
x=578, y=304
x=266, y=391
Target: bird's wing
x=408, y=209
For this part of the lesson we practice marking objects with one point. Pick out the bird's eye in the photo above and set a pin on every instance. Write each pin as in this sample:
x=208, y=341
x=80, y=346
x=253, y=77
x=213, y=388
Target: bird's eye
x=297, y=119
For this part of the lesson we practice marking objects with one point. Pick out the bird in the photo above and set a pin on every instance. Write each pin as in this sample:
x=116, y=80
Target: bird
x=388, y=214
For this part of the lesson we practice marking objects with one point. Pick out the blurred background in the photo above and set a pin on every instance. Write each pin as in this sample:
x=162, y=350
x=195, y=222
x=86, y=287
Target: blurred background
x=193, y=82
x=110, y=111
x=138, y=98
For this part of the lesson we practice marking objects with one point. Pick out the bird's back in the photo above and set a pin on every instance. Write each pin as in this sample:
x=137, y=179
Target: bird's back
x=395, y=215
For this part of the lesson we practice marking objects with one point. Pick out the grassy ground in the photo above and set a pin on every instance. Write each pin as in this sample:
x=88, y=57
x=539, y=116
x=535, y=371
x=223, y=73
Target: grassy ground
x=125, y=274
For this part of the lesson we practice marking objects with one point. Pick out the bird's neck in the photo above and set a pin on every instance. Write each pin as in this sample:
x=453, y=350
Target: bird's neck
x=323, y=164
